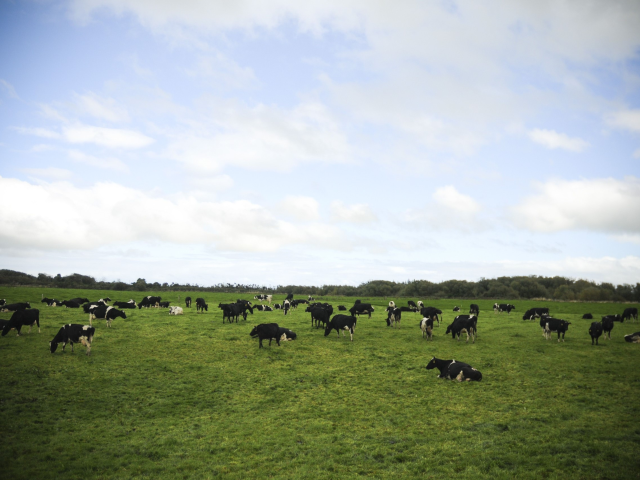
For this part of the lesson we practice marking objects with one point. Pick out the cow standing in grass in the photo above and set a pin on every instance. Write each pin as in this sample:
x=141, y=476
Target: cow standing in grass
x=73, y=333
x=341, y=323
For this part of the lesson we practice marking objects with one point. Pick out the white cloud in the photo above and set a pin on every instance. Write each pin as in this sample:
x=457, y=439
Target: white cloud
x=552, y=140
x=108, y=214
x=450, y=209
x=105, y=137
x=607, y=205
x=102, y=108
x=50, y=173
x=109, y=163
x=38, y=132
x=357, y=213
x=219, y=69
x=7, y=87
x=625, y=119
x=300, y=207
x=453, y=200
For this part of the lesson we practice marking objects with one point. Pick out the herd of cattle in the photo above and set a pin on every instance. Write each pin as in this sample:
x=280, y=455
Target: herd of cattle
x=321, y=313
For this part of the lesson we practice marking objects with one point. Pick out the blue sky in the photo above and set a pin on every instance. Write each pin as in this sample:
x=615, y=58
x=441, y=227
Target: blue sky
x=320, y=142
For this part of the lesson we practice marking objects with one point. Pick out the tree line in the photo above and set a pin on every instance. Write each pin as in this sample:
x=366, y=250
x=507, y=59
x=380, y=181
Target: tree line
x=525, y=287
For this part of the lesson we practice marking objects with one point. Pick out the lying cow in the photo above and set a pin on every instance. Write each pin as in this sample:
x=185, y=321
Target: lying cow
x=633, y=338
x=595, y=330
x=14, y=307
x=341, y=322
x=342, y=308
x=70, y=304
x=587, y=316
x=456, y=309
x=175, y=311
x=73, y=333
x=450, y=370
x=126, y=305
x=21, y=318
x=426, y=325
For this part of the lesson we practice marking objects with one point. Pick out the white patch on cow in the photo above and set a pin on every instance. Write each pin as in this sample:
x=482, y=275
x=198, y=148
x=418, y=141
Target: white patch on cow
x=460, y=376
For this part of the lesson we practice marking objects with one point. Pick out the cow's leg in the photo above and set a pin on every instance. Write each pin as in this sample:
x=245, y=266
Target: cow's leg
x=351, y=332
x=71, y=345
x=260, y=343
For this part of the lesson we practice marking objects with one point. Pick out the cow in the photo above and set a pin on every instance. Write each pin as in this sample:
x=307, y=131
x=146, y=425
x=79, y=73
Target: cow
x=266, y=331
x=341, y=322
x=452, y=370
x=201, y=305
x=127, y=305
x=289, y=296
x=149, y=301
x=260, y=308
x=286, y=306
x=392, y=304
x=286, y=335
x=536, y=312
x=277, y=306
x=503, y=307
x=587, y=316
x=474, y=309
x=464, y=324
x=394, y=315
x=49, y=301
x=409, y=309
x=175, y=311
x=361, y=309
x=3, y=302
x=319, y=314
x=267, y=309
x=456, y=309
x=260, y=297
x=70, y=304
x=412, y=304
x=311, y=299
x=632, y=338
x=426, y=325
x=14, y=307
x=187, y=302
x=104, y=312
x=607, y=326
x=555, y=325
x=630, y=313
x=420, y=304
x=431, y=312
x=80, y=300
x=342, y=308
x=91, y=306
x=73, y=333
x=164, y=304
x=21, y=318
x=595, y=330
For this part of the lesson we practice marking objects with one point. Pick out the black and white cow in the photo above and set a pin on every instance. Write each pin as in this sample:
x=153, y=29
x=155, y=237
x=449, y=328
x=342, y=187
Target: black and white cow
x=149, y=301
x=277, y=306
x=286, y=335
x=587, y=316
x=126, y=305
x=311, y=299
x=420, y=304
x=79, y=300
x=14, y=307
x=456, y=308
x=187, y=302
x=412, y=304
x=201, y=305
x=426, y=325
x=21, y=318
x=503, y=307
x=266, y=331
x=164, y=304
x=632, y=338
x=553, y=325
x=595, y=330
x=464, y=324
x=286, y=306
x=431, y=312
x=452, y=370
x=474, y=309
x=73, y=333
x=51, y=302
x=536, y=312
x=70, y=304
x=289, y=296
x=267, y=308
x=607, y=326
x=361, y=309
x=392, y=304
x=630, y=313
x=394, y=315
x=104, y=312
x=91, y=306
x=176, y=311
x=341, y=323
x=260, y=297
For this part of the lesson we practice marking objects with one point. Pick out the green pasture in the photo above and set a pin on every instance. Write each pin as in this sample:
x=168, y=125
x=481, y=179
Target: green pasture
x=190, y=398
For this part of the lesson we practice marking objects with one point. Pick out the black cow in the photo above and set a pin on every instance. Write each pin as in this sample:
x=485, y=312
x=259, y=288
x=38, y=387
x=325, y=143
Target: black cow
x=164, y=304
x=259, y=308
x=341, y=322
x=587, y=316
x=14, y=307
x=3, y=302
x=201, y=305
x=21, y=318
x=266, y=331
x=595, y=330
x=49, y=300
x=357, y=302
x=474, y=309
x=537, y=312
x=431, y=312
x=409, y=309
x=394, y=315
x=128, y=305
x=318, y=315
x=464, y=324
x=73, y=333
x=79, y=300
x=426, y=325
x=607, y=326
x=361, y=309
x=91, y=306
x=187, y=301
x=342, y=308
x=632, y=338
x=289, y=296
x=104, y=312
x=311, y=299
x=450, y=370
x=456, y=309
x=630, y=313
x=411, y=303
x=555, y=325
x=70, y=304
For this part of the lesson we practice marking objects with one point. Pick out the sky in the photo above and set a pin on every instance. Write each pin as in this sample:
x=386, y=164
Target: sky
x=320, y=142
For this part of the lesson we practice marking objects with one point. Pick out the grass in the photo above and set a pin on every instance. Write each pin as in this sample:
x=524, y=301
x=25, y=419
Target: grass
x=189, y=397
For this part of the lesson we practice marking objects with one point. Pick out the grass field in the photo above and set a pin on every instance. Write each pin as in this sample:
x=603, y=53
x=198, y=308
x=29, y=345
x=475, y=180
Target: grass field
x=188, y=397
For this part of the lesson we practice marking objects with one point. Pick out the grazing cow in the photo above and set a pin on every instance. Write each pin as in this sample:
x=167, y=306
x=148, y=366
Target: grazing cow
x=73, y=333
x=420, y=304
x=187, y=302
x=277, y=306
x=587, y=316
x=456, y=309
x=341, y=322
x=311, y=299
x=164, y=304
x=128, y=305
x=289, y=296
x=79, y=300
x=394, y=315
x=175, y=311
x=14, y=307
x=412, y=304
x=504, y=307
x=474, y=309
x=630, y=314
x=452, y=370
x=595, y=330
x=361, y=309
x=149, y=301
x=342, y=308
x=392, y=304
x=21, y=318
x=431, y=312
x=286, y=306
x=464, y=324
x=266, y=331
x=201, y=305
x=607, y=326
x=632, y=338
x=552, y=325
x=104, y=312
x=70, y=304
x=3, y=302
x=319, y=315
x=426, y=325
x=537, y=312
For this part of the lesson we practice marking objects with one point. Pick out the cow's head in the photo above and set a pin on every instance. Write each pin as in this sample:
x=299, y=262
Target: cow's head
x=432, y=364
x=254, y=332
x=53, y=346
